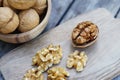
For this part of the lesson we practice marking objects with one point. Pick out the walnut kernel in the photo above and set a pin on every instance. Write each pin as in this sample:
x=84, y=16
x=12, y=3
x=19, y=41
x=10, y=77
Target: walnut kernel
x=84, y=33
x=77, y=60
x=46, y=57
x=57, y=73
x=33, y=74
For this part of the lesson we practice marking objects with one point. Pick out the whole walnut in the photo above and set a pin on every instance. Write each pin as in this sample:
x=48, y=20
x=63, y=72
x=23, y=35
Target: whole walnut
x=21, y=4
x=5, y=4
x=29, y=19
x=9, y=20
x=84, y=34
x=40, y=6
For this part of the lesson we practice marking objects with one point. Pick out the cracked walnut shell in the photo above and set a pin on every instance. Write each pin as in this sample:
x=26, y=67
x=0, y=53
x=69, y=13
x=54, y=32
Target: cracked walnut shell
x=85, y=34
x=9, y=20
x=57, y=73
x=77, y=60
x=46, y=57
x=33, y=74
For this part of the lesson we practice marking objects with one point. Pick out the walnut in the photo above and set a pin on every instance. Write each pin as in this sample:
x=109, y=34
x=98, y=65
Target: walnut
x=21, y=4
x=77, y=60
x=5, y=4
x=84, y=34
x=29, y=19
x=40, y=6
x=33, y=74
x=46, y=57
x=57, y=73
x=9, y=20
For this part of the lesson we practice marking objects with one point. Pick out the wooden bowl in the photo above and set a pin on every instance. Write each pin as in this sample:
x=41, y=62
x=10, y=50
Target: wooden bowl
x=27, y=36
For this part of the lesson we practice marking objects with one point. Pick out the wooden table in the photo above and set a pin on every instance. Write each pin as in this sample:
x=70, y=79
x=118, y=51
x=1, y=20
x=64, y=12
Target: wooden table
x=63, y=10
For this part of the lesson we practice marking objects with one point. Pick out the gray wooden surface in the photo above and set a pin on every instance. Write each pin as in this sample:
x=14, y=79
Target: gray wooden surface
x=63, y=10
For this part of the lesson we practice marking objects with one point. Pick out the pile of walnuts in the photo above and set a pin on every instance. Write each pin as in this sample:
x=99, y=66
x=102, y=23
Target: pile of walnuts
x=21, y=15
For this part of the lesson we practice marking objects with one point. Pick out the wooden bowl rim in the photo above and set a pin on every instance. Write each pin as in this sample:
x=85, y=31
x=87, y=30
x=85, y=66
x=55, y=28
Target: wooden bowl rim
x=34, y=29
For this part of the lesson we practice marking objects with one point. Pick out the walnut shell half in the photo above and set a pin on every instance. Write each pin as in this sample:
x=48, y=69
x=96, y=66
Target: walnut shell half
x=85, y=34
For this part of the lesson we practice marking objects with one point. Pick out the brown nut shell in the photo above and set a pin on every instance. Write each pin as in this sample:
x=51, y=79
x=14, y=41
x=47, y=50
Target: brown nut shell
x=85, y=34
x=5, y=3
x=40, y=6
x=9, y=20
x=21, y=4
x=29, y=19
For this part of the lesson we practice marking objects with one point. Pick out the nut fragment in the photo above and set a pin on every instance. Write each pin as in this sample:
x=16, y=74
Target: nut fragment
x=40, y=6
x=9, y=20
x=29, y=19
x=21, y=4
x=46, y=57
x=33, y=74
x=85, y=33
x=77, y=60
x=57, y=73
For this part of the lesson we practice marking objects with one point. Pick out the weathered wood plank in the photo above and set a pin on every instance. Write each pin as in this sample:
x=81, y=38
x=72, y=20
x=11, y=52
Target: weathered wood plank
x=81, y=6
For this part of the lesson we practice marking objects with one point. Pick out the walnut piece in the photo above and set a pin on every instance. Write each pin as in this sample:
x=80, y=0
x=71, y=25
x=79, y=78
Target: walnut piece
x=57, y=73
x=84, y=33
x=33, y=74
x=77, y=60
x=9, y=20
x=46, y=57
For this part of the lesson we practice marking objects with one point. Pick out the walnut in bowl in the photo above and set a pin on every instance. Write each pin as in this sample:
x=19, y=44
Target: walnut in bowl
x=21, y=37
x=85, y=34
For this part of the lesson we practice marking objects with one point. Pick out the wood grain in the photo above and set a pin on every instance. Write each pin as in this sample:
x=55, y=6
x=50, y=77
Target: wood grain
x=81, y=6
x=104, y=57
